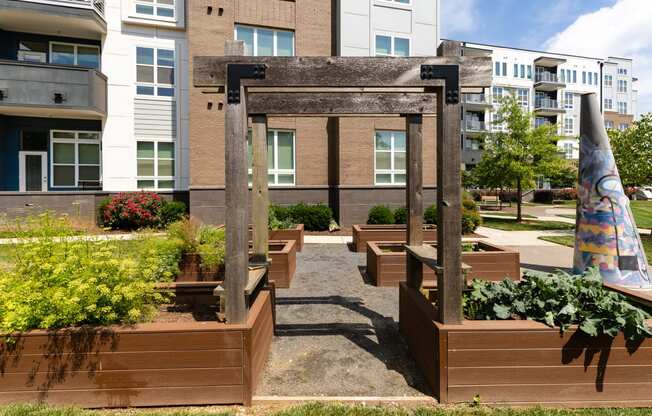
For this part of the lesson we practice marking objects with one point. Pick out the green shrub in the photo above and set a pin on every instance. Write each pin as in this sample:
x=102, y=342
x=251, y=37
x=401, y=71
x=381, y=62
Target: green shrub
x=172, y=211
x=543, y=196
x=206, y=240
x=276, y=223
x=132, y=210
x=430, y=215
x=400, y=215
x=54, y=284
x=314, y=217
x=471, y=220
x=380, y=214
x=559, y=300
x=45, y=224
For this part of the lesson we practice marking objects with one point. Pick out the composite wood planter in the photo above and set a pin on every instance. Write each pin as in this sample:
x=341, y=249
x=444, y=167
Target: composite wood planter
x=522, y=362
x=363, y=233
x=284, y=262
x=295, y=234
x=386, y=263
x=191, y=270
x=153, y=364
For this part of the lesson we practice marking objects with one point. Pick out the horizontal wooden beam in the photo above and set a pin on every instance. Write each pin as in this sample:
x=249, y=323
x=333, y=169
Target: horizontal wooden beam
x=337, y=71
x=341, y=103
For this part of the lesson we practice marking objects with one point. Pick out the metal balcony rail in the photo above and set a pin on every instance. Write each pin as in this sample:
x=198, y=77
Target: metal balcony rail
x=96, y=5
x=546, y=103
x=545, y=77
x=476, y=98
x=474, y=125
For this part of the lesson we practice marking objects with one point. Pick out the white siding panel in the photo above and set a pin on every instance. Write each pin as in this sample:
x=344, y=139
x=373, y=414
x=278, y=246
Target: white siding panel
x=155, y=118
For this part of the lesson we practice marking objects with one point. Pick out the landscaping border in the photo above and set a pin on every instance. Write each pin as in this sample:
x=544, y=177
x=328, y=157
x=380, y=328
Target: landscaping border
x=363, y=233
x=284, y=262
x=151, y=364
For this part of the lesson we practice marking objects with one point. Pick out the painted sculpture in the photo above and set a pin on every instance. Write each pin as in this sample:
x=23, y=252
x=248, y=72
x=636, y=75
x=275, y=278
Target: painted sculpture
x=606, y=235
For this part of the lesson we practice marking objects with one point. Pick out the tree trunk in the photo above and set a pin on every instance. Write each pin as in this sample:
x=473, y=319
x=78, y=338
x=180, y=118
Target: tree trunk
x=519, y=201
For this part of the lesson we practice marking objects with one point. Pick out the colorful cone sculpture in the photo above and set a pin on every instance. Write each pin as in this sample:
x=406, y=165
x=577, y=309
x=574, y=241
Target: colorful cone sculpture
x=606, y=235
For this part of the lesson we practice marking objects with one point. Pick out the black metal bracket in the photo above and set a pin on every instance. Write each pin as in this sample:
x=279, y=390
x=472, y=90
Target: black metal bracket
x=451, y=76
x=236, y=72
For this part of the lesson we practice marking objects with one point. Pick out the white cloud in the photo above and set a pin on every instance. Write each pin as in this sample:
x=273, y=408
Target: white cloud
x=624, y=30
x=458, y=17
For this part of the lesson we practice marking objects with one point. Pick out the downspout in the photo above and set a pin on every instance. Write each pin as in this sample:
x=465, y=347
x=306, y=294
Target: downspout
x=601, y=87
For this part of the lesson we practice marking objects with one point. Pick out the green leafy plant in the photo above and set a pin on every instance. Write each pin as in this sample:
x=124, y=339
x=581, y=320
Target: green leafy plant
x=276, y=223
x=172, y=211
x=135, y=210
x=559, y=300
x=400, y=215
x=314, y=217
x=45, y=224
x=380, y=214
x=430, y=215
x=194, y=238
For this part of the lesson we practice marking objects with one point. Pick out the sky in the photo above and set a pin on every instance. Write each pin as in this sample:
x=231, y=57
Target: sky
x=599, y=28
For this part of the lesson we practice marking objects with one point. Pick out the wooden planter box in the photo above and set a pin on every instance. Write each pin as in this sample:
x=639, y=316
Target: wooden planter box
x=522, y=362
x=191, y=270
x=386, y=263
x=152, y=364
x=295, y=234
x=284, y=262
x=363, y=233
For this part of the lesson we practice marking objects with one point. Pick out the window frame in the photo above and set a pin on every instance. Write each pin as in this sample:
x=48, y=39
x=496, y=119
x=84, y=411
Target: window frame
x=275, y=171
x=621, y=86
x=392, y=44
x=392, y=171
x=156, y=178
x=75, y=53
x=622, y=109
x=76, y=141
x=524, y=103
x=569, y=126
x=275, y=37
x=155, y=5
x=569, y=104
x=611, y=104
x=155, y=67
x=608, y=80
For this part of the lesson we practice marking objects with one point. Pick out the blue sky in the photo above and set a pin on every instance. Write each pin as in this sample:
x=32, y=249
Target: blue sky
x=598, y=28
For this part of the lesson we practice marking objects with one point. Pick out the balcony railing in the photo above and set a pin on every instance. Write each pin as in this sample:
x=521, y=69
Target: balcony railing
x=546, y=103
x=476, y=99
x=474, y=125
x=546, y=77
x=96, y=5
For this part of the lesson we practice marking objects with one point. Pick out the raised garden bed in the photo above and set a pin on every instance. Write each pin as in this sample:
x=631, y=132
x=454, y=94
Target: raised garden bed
x=284, y=262
x=386, y=263
x=295, y=234
x=363, y=233
x=152, y=364
x=521, y=362
x=192, y=270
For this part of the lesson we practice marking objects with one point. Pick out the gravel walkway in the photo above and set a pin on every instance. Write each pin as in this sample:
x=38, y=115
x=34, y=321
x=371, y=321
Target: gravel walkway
x=337, y=335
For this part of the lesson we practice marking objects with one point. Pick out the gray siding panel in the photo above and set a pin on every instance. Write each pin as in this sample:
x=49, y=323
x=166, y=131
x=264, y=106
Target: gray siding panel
x=155, y=118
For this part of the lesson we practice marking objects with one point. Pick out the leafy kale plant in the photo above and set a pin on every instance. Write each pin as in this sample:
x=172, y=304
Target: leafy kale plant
x=559, y=300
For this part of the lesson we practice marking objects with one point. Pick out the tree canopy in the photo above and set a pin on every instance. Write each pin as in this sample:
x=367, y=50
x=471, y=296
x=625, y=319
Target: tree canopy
x=632, y=149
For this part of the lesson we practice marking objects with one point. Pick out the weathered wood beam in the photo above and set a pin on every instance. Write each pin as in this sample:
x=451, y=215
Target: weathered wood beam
x=450, y=281
x=414, y=172
x=260, y=194
x=312, y=71
x=237, y=205
x=341, y=103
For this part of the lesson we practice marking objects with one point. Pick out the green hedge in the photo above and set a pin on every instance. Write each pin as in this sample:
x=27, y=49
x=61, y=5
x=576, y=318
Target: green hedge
x=381, y=214
x=314, y=217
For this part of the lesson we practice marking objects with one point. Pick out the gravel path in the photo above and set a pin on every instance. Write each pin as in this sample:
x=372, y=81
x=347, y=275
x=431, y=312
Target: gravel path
x=337, y=335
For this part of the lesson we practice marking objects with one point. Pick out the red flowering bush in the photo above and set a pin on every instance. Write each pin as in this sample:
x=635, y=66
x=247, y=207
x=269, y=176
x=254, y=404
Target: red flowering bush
x=131, y=210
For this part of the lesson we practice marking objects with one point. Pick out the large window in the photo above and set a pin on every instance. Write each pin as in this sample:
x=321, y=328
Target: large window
x=523, y=97
x=622, y=85
x=74, y=54
x=155, y=164
x=568, y=100
x=154, y=72
x=75, y=158
x=389, y=162
x=158, y=8
x=497, y=94
x=608, y=124
x=500, y=68
x=280, y=158
x=265, y=42
x=608, y=80
x=568, y=150
x=568, y=126
x=387, y=45
x=608, y=104
x=622, y=107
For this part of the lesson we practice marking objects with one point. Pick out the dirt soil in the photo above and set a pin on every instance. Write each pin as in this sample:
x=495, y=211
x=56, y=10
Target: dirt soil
x=336, y=334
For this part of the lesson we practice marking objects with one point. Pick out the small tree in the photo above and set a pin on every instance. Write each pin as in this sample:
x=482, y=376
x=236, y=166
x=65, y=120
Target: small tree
x=516, y=156
x=632, y=150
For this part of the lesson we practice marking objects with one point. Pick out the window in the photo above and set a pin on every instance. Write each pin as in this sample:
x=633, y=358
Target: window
x=583, y=77
x=389, y=158
x=515, y=70
x=608, y=104
x=155, y=72
x=568, y=100
x=623, y=126
x=159, y=8
x=562, y=75
x=595, y=78
x=74, y=158
x=30, y=51
x=497, y=94
x=622, y=85
x=568, y=125
x=568, y=150
x=501, y=69
x=155, y=164
x=280, y=158
x=529, y=72
x=622, y=107
x=608, y=124
x=522, y=71
x=73, y=54
x=523, y=97
x=574, y=76
x=622, y=71
x=387, y=45
x=608, y=80
x=265, y=42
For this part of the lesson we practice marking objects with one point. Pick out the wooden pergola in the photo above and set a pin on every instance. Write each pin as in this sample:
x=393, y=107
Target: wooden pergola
x=259, y=87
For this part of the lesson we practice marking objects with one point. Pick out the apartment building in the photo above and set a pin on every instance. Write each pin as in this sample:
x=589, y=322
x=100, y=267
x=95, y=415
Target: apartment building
x=549, y=85
x=350, y=164
x=93, y=99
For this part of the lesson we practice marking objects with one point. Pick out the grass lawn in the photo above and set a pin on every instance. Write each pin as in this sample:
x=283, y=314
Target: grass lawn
x=569, y=241
x=507, y=224
x=323, y=410
x=642, y=211
x=505, y=214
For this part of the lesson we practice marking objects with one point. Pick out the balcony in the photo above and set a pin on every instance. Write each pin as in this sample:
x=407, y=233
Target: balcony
x=80, y=18
x=547, y=107
x=47, y=90
x=547, y=81
x=474, y=127
x=476, y=101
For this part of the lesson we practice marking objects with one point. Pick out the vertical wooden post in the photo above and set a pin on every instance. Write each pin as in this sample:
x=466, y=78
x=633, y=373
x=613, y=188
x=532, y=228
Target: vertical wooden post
x=237, y=195
x=414, y=195
x=449, y=228
x=260, y=202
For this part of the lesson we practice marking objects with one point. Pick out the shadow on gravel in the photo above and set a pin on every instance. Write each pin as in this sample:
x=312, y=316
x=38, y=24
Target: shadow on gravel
x=383, y=327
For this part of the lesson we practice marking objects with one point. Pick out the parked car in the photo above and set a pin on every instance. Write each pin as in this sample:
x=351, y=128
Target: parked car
x=644, y=193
